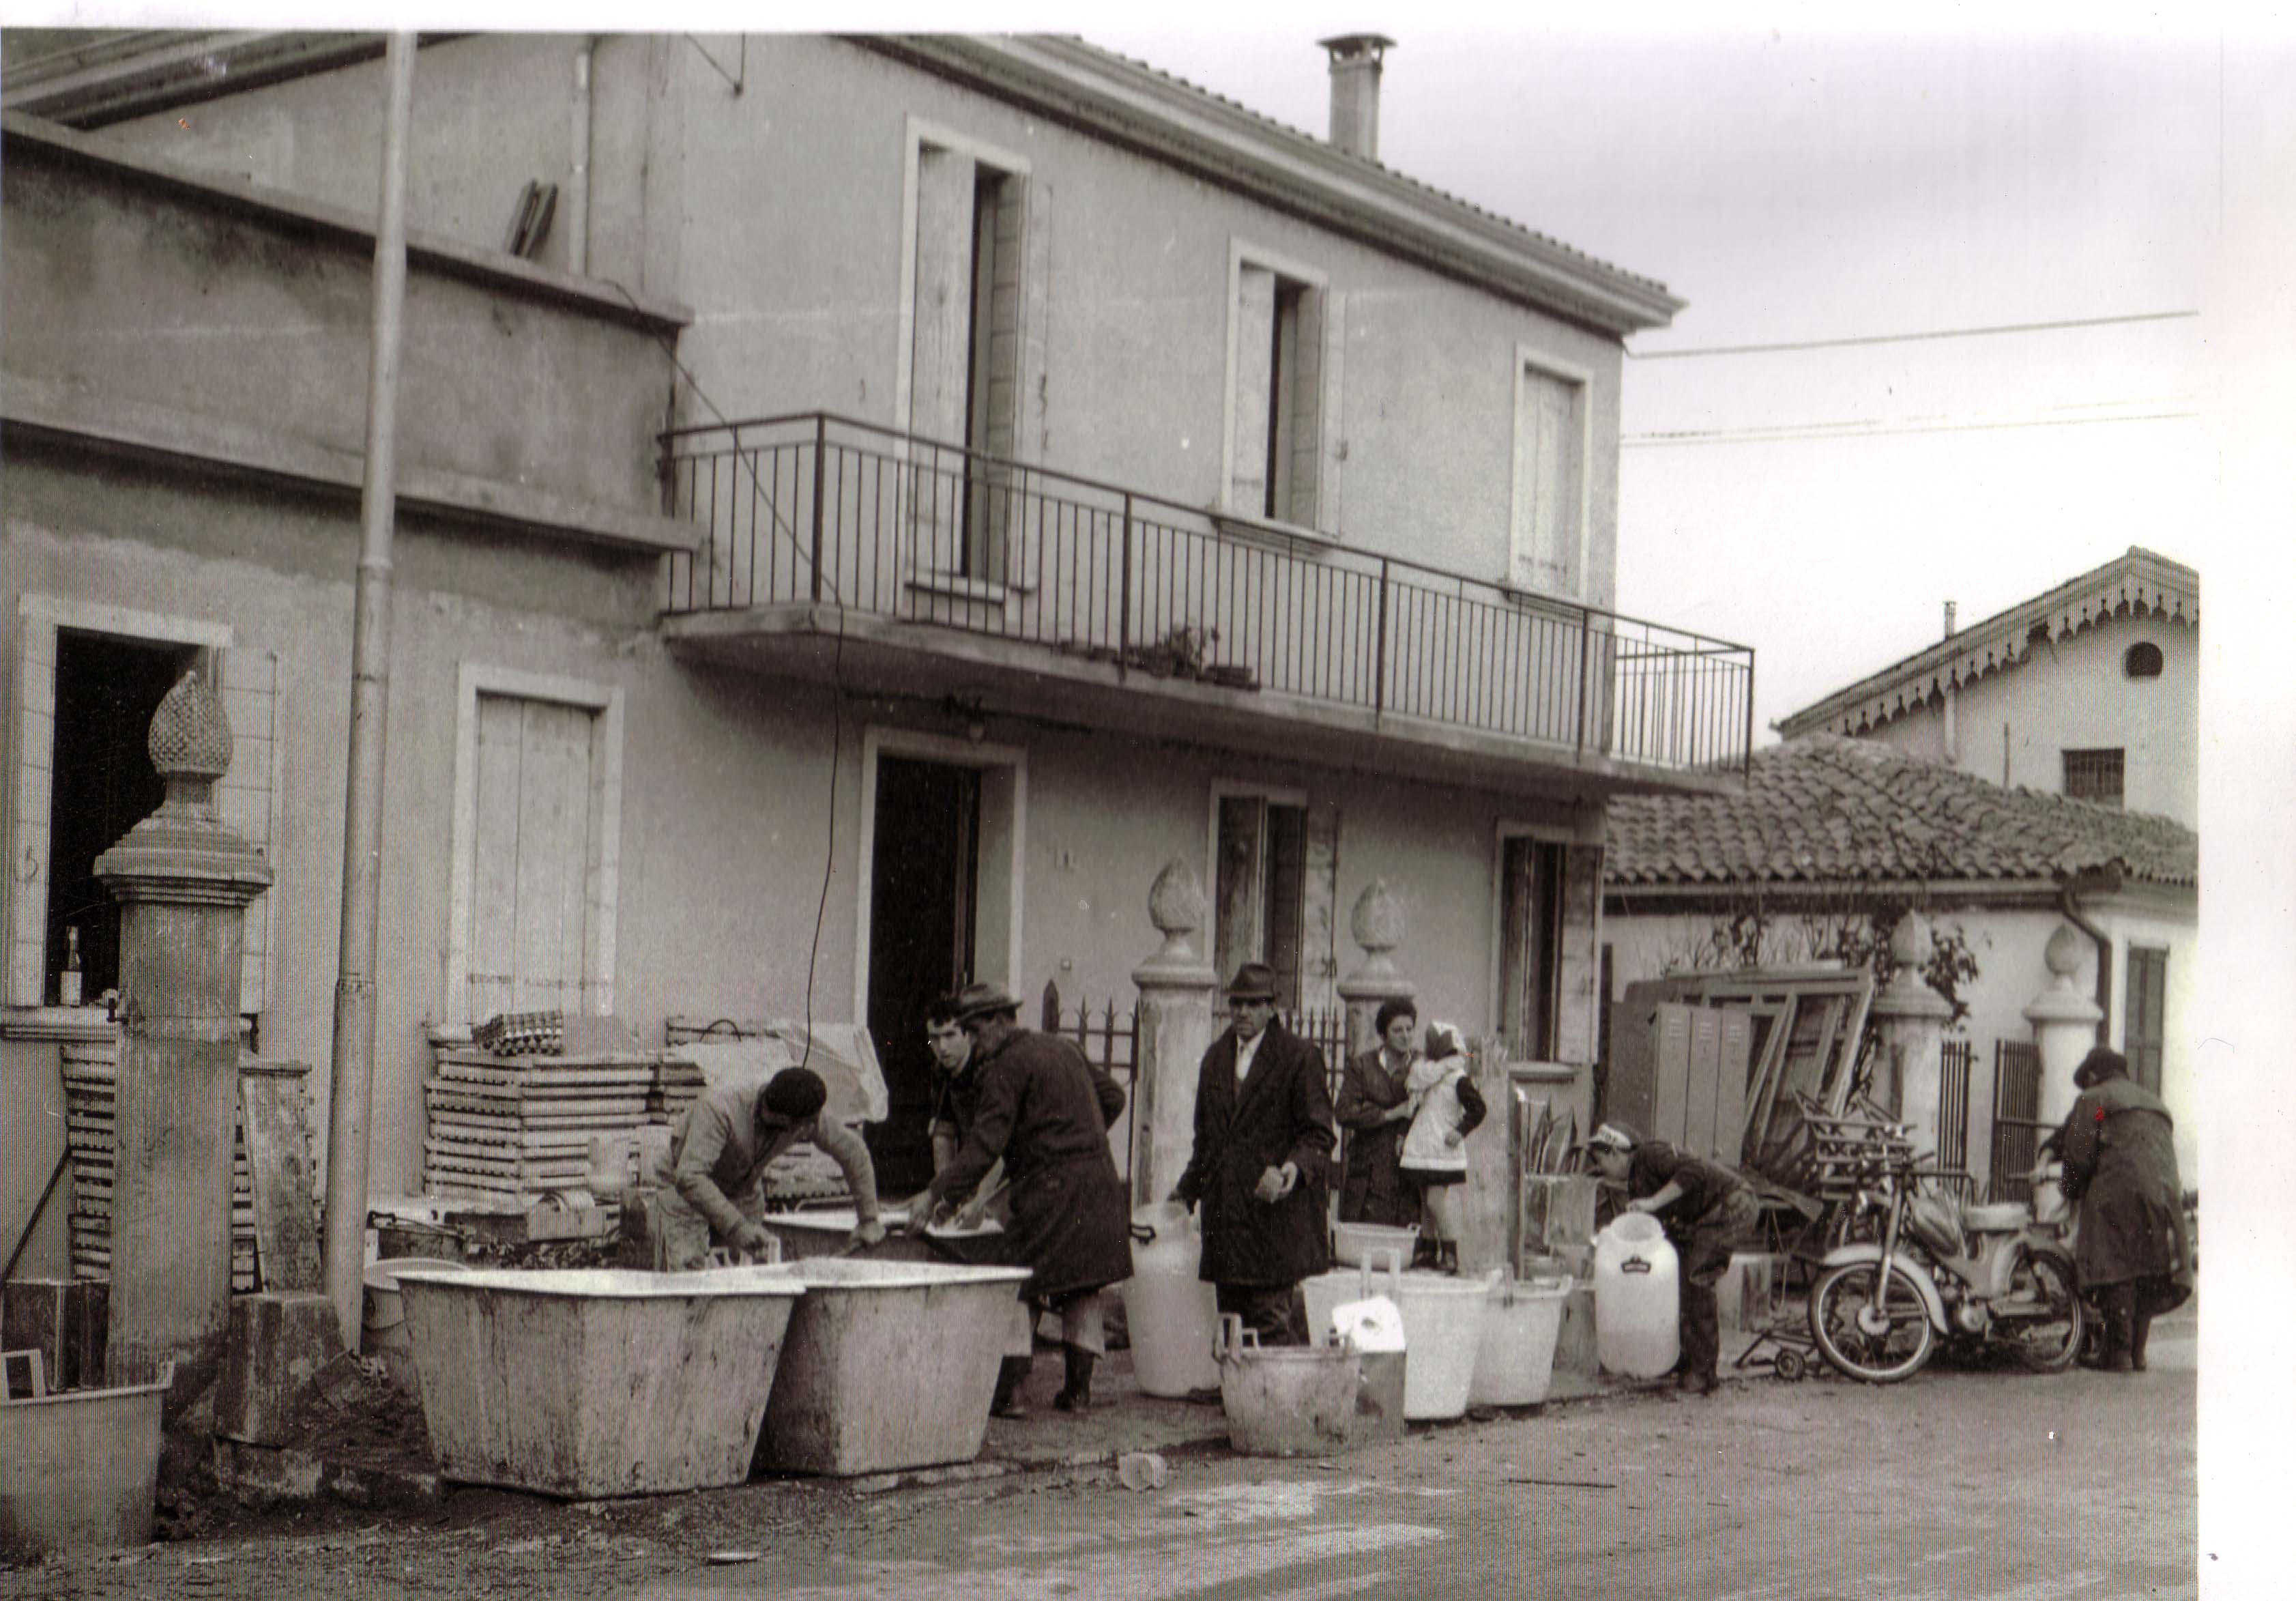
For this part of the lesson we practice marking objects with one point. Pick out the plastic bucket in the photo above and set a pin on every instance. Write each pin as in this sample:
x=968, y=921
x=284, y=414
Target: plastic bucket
x=1638, y=1327
x=1442, y=1326
x=1516, y=1362
x=1286, y=1401
x=1355, y=1243
x=1171, y=1314
x=382, y=1315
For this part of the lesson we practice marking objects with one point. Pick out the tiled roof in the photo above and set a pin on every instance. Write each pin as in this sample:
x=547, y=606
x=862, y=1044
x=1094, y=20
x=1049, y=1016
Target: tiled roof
x=1828, y=810
x=1445, y=197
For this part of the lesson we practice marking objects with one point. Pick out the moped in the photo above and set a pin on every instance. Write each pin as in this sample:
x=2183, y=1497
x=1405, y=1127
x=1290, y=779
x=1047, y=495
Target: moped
x=1981, y=1276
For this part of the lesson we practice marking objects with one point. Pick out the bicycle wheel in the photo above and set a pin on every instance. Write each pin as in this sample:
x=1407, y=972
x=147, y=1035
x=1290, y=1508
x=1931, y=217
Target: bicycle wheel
x=2045, y=1330
x=1905, y=1340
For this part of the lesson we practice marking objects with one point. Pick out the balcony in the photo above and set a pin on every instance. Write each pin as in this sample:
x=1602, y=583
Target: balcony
x=898, y=565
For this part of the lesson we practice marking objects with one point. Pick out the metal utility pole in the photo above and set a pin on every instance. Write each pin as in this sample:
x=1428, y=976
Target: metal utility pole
x=351, y=1085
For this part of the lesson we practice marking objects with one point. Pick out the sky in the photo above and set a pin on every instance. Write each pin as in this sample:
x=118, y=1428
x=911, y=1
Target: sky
x=1822, y=505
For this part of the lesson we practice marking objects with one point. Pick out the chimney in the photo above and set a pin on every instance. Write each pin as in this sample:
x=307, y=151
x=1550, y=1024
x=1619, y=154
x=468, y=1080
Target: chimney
x=1355, y=91
x=1948, y=620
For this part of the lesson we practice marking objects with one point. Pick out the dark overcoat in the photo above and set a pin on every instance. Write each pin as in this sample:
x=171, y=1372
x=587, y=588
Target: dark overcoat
x=1373, y=1189
x=1281, y=1113
x=1045, y=1111
x=2120, y=1166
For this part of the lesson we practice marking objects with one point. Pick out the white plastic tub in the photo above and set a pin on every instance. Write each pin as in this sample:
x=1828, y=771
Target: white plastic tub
x=888, y=1365
x=1355, y=1243
x=597, y=1382
x=1173, y=1315
x=1442, y=1328
x=1514, y=1364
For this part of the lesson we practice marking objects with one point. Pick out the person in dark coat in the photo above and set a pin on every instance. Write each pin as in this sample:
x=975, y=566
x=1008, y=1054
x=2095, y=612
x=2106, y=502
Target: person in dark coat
x=1707, y=1211
x=2130, y=1246
x=1375, y=1105
x=1044, y=1111
x=1259, y=1163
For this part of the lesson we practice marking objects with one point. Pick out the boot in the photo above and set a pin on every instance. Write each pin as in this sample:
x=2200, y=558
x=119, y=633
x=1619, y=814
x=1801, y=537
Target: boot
x=1448, y=1257
x=2140, y=1329
x=2120, y=1328
x=1010, y=1374
x=1076, y=1393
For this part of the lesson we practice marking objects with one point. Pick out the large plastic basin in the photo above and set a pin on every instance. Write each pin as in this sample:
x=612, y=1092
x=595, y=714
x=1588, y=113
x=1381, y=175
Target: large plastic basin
x=888, y=1365
x=597, y=1382
x=1442, y=1328
x=77, y=1471
x=1514, y=1364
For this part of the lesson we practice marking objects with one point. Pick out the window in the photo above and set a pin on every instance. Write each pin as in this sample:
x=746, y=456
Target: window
x=1282, y=365
x=1258, y=888
x=2143, y=1020
x=967, y=266
x=536, y=845
x=1547, y=960
x=2142, y=660
x=1548, y=544
x=88, y=678
x=2094, y=775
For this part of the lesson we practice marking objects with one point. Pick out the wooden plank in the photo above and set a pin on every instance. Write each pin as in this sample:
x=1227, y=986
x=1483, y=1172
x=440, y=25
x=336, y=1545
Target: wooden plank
x=1670, y=1083
x=1701, y=1065
x=275, y=1120
x=1731, y=1066
x=494, y=901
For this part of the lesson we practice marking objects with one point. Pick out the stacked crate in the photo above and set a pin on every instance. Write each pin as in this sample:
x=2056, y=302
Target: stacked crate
x=91, y=1070
x=520, y=1127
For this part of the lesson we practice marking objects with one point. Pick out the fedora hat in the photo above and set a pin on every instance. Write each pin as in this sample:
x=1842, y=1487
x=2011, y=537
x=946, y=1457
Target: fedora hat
x=1254, y=980
x=984, y=999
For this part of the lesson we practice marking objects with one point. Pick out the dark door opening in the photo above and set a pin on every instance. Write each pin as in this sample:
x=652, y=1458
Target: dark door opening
x=920, y=942
x=107, y=689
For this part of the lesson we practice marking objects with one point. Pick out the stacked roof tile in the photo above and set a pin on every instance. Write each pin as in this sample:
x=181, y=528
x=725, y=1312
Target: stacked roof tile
x=1827, y=810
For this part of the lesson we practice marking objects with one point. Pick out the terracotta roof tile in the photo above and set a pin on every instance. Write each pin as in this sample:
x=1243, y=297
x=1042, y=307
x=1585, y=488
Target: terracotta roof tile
x=1825, y=809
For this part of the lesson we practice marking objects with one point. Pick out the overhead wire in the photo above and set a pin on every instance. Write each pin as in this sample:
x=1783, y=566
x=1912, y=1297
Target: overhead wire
x=1984, y=332
x=1798, y=432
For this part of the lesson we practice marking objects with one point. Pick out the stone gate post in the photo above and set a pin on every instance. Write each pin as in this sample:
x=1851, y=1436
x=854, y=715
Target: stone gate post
x=183, y=881
x=1377, y=925
x=1911, y=1017
x=2064, y=1022
x=1173, y=1028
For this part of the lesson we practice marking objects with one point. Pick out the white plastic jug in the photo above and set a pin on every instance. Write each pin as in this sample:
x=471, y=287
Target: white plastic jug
x=1172, y=1315
x=1638, y=1327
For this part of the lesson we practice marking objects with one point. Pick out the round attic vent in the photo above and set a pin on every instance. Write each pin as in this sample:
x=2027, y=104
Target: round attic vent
x=2142, y=661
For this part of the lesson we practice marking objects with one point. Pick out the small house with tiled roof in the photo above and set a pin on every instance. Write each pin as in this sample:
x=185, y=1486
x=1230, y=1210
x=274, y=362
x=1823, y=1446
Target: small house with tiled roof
x=1830, y=828
x=2090, y=690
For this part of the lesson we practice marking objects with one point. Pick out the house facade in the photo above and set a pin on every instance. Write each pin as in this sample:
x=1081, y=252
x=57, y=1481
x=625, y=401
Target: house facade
x=1831, y=833
x=910, y=491
x=2091, y=690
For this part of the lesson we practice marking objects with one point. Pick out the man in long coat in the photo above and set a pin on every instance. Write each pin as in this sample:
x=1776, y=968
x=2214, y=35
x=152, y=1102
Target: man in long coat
x=1260, y=1164
x=2132, y=1249
x=1044, y=1111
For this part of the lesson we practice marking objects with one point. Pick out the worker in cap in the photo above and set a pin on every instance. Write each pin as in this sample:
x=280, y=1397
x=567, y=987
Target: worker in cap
x=1707, y=1209
x=1043, y=1111
x=1258, y=1163
x=712, y=1177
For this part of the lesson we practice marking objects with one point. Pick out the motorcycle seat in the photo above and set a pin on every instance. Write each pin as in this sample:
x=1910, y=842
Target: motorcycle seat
x=2000, y=1215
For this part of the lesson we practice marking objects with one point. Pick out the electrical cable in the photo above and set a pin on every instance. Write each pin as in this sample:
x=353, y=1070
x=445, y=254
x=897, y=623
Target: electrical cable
x=1898, y=339
x=1795, y=432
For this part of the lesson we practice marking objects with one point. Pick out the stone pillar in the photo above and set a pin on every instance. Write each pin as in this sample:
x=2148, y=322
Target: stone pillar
x=1911, y=1017
x=183, y=881
x=1173, y=1024
x=2064, y=1022
x=1377, y=925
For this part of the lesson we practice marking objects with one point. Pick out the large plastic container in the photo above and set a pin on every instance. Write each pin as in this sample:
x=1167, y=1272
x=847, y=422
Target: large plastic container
x=1355, y=1243
x=889, y=1364
x=1171, y=1314
x=1442, y=1326
x=1287, y=1401
x=597, y=1382
x=1516, y=1362
x=1637, y=1328
x=77, y=1471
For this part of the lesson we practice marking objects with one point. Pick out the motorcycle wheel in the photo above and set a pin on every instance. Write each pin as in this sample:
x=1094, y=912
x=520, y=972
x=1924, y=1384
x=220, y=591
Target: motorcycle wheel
x=1897, y=1353
x=2050, y=1342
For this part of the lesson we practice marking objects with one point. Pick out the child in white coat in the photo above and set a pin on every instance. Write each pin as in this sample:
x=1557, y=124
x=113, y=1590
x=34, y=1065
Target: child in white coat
x=1435, y=1149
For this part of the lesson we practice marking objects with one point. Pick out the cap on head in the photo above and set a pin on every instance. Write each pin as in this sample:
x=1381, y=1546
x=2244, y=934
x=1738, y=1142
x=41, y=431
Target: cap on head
x=2102, y=1062
x=796, y=1093
x=1613, y=1137
x=985, y=999
x=1254, y=981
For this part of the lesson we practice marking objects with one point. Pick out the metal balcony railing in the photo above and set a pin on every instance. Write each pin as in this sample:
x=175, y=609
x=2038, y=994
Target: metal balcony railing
x=816, y=508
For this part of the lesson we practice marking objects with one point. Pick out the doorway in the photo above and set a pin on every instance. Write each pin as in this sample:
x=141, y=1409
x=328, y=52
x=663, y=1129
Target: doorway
x=924, y=924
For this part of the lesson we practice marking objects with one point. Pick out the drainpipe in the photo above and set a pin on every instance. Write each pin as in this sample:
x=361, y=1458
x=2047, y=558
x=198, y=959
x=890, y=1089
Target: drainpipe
x=577, y=187
x=2096, y=881
x=351, y=1084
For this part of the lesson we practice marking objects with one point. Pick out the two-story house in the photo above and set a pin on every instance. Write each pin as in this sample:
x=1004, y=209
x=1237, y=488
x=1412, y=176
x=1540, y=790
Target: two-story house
x=883, y=498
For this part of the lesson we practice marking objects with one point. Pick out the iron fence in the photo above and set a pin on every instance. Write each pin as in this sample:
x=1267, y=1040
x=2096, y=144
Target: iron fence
x=1955, y=1057
x=813, y=509
x=2018, y=1130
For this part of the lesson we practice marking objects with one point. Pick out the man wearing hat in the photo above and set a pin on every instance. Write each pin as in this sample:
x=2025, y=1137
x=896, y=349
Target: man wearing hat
x=712, y=1177
x=1259, y=1162
x=2132, y=1249
x=1043, y=1110
x=1707, y=1211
